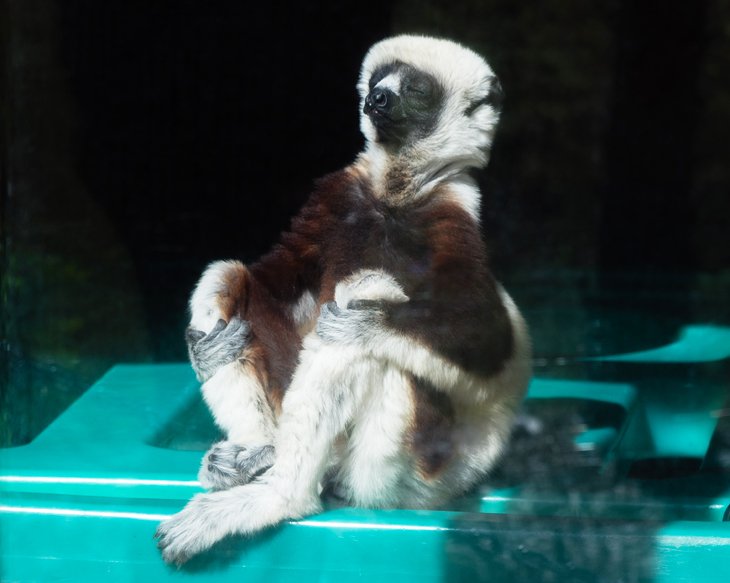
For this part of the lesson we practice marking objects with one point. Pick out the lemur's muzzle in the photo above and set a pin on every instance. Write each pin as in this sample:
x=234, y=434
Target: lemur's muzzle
x=380, y=101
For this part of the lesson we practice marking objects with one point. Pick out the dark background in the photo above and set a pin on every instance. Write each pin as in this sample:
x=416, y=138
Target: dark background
x=142, y=140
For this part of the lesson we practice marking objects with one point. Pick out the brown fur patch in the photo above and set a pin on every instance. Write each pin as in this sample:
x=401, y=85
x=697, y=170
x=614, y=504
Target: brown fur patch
x=432, y=437
x=255, y=363
x=270, y=360
x=432, y=247
x=234, y=291
x=274, y=342
x=477, y=333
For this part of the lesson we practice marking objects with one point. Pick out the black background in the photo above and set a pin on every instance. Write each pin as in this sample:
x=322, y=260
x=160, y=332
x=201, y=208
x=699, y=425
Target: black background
x=143, y=140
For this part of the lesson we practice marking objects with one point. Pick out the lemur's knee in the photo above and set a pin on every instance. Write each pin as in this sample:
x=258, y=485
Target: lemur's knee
x=216, y=295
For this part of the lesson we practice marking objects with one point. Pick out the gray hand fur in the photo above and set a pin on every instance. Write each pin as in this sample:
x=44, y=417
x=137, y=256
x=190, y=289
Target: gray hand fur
x=228, y=464
x=224, y=344
x=357, y=324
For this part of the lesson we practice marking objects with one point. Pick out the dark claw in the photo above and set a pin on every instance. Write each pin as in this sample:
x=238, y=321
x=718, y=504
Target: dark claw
x=223, y=345
x=192, y=335
x=260, y=473
x=365, y=305
x=237, y=323
x=219, y=326
x=332, y=308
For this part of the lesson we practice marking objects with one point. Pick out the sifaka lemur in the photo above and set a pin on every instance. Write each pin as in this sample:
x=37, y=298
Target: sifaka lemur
x=371, y=352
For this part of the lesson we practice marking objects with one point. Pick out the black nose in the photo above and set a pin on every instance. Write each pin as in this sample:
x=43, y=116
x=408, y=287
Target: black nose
x=379, y=99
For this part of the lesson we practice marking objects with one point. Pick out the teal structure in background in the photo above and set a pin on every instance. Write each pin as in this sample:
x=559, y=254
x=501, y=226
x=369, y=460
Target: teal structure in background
x=81, y=501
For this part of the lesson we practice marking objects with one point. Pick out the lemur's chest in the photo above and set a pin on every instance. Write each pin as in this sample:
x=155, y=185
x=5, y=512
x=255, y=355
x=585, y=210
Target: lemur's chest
x=371, y=237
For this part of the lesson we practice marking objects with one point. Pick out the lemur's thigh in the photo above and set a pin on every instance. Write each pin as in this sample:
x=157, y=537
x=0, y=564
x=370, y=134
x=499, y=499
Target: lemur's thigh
x=327, y=392
x=377, y=457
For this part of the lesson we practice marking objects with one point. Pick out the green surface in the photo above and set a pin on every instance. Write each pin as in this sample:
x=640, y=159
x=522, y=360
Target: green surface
x=82, y=501
x=95, y=540
x=695, y=344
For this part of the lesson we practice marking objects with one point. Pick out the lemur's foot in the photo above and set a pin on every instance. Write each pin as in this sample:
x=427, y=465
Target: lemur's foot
x=228, y=464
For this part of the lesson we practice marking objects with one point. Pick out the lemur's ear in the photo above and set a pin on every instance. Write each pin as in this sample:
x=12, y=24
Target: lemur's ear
x=494, y=98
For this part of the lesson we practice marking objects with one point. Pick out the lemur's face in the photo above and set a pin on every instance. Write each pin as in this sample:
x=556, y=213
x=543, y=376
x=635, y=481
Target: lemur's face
x=403, y=103
x=432, y=100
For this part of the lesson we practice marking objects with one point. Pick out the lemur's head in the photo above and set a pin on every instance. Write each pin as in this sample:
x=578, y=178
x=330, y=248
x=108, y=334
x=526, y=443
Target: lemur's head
x=431, y=100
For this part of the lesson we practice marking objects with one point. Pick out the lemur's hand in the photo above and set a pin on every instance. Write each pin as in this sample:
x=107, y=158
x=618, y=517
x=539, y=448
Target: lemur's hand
x=358, y=324
x=210, y=352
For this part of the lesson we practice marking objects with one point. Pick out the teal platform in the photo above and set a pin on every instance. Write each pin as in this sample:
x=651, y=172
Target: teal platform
x=81, y=501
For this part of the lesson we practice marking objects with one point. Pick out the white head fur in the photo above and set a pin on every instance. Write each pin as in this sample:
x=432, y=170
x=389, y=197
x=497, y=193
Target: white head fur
x=462, y=135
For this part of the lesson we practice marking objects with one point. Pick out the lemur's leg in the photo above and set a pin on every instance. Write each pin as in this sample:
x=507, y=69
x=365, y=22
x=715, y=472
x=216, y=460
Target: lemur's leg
x=218, y=343
x=237, y=400
x=376, y=459
x=329, y=386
